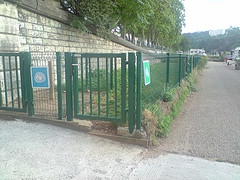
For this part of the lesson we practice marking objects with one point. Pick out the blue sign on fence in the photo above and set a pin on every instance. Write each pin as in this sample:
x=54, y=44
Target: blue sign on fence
x=40, y=77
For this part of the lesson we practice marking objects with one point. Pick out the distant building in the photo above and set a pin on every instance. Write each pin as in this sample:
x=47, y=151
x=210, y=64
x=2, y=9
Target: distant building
x=197, y=52
x=217, y=32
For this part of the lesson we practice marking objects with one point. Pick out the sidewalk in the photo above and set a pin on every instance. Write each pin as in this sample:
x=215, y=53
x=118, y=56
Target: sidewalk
x=180, y=167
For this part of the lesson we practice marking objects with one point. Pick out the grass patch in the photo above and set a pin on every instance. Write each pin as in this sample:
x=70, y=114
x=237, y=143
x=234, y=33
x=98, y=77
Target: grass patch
x=172, y=101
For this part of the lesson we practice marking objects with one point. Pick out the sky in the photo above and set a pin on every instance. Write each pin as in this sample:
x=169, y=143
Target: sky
x=205, y=15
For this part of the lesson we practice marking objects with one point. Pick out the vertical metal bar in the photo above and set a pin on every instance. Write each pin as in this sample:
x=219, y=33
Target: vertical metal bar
x=59, y=85
x=51, y=78
x=90, y=85
x=17, y=83
x=107, y=87
x=68, y=74
x=111, y=73
x=82, y=83
x=23, y=67
x=115, y=88
x=11, y=80
x=75, y=87
x=86, y=64
x=0, y=96
x=98, y=87
x=131, y=92
x=191, y=59
x=5, y=82
x=139, y=91
x=123, y=87
x=180, y=69
x=1, y=89
x=29, y=85
x=168, y=68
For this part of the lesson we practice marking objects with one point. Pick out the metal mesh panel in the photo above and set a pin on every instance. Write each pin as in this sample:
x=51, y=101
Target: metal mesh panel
x=46, y=100
x=98, y=88
x=158, y=74
x=10, y=81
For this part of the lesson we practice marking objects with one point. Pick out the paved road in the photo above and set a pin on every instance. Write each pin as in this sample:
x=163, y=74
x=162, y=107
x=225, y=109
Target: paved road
x=209, y=125
x=206, y=128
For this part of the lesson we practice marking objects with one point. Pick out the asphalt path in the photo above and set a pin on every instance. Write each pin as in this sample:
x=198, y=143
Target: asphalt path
x=209, y=124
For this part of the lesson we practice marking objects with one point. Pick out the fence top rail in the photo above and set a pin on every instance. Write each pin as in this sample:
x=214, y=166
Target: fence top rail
x=98, y=55
x=9, y=54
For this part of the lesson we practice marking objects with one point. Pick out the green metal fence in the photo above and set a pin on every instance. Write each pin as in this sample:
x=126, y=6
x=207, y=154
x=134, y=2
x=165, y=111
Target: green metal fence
x=104, y=86
x=50, y=102
x=166, y=70
x=12, y=82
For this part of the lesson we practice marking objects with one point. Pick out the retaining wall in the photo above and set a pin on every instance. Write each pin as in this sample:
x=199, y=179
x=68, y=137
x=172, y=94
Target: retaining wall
x=42, y=26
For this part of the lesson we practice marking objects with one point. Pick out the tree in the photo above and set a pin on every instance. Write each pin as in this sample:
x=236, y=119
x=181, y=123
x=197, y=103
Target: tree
x=158, y=21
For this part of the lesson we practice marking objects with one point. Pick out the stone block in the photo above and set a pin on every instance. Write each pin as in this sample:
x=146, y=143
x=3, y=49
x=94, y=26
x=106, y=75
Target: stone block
x=9, y=43
x=8, y=10
x=124, y=131
x=9, y=25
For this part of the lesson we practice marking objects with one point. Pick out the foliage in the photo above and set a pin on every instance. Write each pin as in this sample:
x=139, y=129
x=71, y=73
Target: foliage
x=165, y=119
x=157, y=21
x=220, y=43
x=168, y=93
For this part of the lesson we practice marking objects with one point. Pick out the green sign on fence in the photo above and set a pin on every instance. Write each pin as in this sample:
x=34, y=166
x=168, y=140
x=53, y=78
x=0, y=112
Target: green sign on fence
x=146, y=72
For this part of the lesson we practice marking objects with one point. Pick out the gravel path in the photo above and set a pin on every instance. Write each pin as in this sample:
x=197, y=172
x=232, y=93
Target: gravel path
x=209, y=124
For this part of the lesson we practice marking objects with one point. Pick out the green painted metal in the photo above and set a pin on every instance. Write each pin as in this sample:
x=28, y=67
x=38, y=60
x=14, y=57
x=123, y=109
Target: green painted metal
x=12, y=92
x=98, y=87
x=168, y=68
x=139, y=91
x=75, y=85
x=131, y=92
x=68, y=77
x=124, y=110
x=29, y=90
x=180, y=69
x=59, y=86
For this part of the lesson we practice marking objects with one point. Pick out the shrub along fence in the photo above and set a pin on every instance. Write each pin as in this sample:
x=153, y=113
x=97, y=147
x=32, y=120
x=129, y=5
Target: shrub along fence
x=109, y=87
x=166, y=72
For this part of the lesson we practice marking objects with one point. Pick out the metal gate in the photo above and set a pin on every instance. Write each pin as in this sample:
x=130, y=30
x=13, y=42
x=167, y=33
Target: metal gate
x=13, y=74
x=104, y=87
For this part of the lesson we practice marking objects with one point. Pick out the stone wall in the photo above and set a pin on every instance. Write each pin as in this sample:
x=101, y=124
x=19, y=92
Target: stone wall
x=42, y=26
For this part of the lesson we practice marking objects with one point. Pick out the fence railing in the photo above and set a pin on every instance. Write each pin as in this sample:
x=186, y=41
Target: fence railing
x=166, y=70
x=90, y=86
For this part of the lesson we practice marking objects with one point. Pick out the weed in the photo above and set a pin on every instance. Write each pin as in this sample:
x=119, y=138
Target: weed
x=168, y=93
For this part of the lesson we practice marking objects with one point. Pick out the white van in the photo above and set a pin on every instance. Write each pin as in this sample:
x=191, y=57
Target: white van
x=235, y=55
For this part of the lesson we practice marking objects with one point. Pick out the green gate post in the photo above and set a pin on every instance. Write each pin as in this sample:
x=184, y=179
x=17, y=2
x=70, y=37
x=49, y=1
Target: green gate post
x=68, y=76
x=59, y=85
x=168, y=68
x=26, y=65
x=139, y=91
x=131, y=92
x=75, y=86
x=191, y=59
x=123, y=87
x=180, y=69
